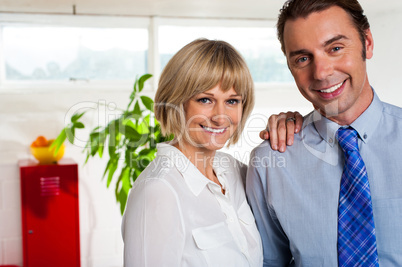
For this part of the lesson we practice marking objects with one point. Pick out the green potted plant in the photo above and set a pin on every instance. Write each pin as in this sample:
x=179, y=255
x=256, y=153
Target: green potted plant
x=130, y=141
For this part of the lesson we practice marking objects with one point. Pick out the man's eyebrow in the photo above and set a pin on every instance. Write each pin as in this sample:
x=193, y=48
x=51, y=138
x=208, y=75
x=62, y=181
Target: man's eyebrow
x=298, y=52
x=334, y=39
x=326, y=43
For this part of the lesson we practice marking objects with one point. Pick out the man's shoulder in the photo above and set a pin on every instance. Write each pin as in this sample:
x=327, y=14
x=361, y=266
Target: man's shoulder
x=307, y=128
x=392, y=110
x=263, y=148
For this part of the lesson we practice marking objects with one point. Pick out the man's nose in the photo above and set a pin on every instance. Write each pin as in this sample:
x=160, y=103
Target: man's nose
x=323, y=67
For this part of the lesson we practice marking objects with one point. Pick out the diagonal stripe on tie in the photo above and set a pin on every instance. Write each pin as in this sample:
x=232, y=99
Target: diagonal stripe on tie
x=356, y=231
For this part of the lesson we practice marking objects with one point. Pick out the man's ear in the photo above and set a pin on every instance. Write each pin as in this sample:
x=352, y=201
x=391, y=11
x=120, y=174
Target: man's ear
x=369, y=44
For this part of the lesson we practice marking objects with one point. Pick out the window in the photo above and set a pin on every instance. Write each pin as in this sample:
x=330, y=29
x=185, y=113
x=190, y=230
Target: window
x=38, y=51
x=73, y=53
x=258, y=45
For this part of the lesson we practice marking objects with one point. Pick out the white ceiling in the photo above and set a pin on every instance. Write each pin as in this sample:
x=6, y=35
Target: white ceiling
x=233, y=9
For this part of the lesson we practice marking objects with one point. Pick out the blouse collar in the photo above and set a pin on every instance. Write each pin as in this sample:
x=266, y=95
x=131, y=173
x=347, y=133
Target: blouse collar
x=194, y=179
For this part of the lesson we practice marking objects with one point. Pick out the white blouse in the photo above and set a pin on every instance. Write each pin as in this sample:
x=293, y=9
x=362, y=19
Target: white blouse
x=175, y=216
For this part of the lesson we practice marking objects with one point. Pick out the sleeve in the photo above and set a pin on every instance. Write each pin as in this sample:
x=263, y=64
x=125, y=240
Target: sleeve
x=274, y=241
x=152, y=228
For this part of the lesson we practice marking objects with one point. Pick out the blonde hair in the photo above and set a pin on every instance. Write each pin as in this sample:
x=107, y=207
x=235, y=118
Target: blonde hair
x=197, y=67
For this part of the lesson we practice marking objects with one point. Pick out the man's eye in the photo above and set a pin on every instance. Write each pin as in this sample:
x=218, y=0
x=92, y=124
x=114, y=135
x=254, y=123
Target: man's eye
x=337, y=48
x=302, y=59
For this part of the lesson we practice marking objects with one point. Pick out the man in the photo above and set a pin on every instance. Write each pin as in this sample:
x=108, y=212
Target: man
x=299, y=205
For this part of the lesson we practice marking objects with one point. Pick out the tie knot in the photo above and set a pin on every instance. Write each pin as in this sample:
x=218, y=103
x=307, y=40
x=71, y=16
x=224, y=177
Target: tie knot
x=347, y=138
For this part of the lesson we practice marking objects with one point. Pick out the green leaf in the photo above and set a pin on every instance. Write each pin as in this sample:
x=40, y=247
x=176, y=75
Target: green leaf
x=131, y=133
x=143, y=128
x=122, y=198
x=112, y=145
x=125, y=188
x=134, y=175
x=70, y=133
x=100, y=150
x=135, y=143
x=148, y=102
x=111, y=169
x=78, y=125
x=77, y=116
x=137, y=109
x=131, y=158
x=125, y=178
x=58, y=142
x=94, y=147
x=113, y=130
x=142, y=80
x=96, y=140
x=135, y=87
x=144, y=152
x=107, y=167
x=152, y=143
x=101, y=140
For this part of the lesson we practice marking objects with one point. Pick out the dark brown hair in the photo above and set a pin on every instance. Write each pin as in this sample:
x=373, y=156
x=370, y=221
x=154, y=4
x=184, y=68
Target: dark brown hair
x=293, y=9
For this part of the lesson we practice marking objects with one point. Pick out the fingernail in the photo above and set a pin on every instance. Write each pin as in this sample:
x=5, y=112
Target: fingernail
x=282, y=149
x=290, y=142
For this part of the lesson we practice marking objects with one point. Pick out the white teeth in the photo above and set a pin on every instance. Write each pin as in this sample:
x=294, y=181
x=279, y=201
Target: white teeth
x=212, y=130
x=332, y=89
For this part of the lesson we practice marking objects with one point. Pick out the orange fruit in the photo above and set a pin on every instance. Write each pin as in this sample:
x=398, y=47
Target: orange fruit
x=40, y=142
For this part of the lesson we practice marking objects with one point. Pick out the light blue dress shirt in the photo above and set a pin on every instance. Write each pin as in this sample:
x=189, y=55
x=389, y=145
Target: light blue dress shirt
x=294, y=195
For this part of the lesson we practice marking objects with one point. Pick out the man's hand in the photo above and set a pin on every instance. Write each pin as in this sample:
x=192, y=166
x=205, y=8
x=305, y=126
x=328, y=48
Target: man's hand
x=281, y=129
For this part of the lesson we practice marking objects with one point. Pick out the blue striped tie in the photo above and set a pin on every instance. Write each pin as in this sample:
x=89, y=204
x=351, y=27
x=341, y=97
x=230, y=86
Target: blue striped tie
x=356, y=232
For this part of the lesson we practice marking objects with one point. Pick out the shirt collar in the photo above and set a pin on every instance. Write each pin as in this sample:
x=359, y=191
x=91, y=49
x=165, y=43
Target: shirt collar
x=365, y=124
x=194, y=179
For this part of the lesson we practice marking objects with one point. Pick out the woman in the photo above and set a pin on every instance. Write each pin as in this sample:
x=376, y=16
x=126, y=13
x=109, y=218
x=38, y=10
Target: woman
x=188, y=207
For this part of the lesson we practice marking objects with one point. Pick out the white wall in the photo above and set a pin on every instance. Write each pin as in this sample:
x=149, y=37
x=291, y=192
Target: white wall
x=25, y=115
x=385, y=68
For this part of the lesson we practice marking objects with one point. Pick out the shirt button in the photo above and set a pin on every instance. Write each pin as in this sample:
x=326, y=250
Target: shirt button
x=231, y=220
x=365, y=136
x=330, y=140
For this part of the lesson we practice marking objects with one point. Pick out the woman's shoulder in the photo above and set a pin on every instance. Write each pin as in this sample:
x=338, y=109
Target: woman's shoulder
x=155, y=182
x=160, y=170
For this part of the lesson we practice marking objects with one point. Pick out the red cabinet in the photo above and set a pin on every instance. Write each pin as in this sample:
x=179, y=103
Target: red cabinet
x=50, y=217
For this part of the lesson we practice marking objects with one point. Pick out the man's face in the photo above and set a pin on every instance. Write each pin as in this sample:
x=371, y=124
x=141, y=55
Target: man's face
x=324, y=54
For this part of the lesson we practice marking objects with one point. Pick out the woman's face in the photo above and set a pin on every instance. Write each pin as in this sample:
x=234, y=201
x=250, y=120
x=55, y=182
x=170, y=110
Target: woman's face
x=212, y=117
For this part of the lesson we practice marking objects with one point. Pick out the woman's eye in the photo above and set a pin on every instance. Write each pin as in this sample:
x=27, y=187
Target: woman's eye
x=204, y=100
x=233, y=101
